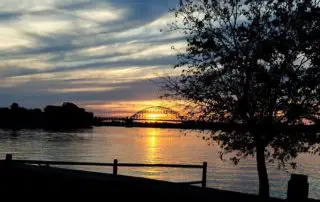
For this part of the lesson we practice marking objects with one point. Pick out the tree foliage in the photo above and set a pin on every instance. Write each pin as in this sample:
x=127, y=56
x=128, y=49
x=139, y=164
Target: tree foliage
x=253, y=63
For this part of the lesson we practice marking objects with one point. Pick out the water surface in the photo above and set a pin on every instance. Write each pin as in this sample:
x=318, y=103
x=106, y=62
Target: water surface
x=151, y=145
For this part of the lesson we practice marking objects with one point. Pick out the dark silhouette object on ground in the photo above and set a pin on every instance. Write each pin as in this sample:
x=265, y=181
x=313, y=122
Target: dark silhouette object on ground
x=67, y=116
x=18, y=178
x=255, y=63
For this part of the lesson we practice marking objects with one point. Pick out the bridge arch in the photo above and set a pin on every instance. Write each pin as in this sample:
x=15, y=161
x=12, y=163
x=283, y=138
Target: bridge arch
x=157, y=113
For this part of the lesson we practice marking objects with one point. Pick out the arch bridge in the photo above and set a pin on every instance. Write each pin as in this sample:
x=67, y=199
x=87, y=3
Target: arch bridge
x=157, y=113
x=152, y=114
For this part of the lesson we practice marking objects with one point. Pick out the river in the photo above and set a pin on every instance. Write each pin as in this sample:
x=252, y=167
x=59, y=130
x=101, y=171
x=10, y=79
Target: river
x=153, y=145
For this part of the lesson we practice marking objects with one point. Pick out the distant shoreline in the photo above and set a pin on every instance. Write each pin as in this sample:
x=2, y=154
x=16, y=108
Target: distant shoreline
x=207, y=126
x=66, y=117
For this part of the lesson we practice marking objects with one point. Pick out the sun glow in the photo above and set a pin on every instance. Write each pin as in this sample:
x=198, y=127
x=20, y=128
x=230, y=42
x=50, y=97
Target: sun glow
x=154, y=117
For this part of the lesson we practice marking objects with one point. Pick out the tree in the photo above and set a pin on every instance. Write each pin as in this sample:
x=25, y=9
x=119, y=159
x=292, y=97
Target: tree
x=253, y=63
x=14, y=106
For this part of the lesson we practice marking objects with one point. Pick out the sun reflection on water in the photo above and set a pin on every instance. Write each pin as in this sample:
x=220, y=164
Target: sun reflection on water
x=152, y=145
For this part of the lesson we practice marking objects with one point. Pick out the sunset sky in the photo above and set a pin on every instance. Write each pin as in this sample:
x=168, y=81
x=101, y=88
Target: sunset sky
x=104, y=55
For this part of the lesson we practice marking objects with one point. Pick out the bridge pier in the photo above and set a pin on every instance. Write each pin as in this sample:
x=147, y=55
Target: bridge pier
x=128, y=122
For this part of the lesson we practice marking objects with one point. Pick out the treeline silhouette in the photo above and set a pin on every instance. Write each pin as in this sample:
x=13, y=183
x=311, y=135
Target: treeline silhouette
x=67, y=116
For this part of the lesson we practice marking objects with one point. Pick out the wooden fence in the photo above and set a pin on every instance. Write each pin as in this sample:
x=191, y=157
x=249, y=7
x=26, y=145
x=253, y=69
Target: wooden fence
x=116, y=165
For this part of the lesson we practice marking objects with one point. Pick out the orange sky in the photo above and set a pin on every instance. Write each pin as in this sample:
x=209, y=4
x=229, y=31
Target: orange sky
x=128, y=108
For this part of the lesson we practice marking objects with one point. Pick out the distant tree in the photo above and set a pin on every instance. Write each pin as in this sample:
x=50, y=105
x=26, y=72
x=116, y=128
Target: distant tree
x=69, y=105
x=14, y=106
x=67, y=116
x=254, y=63
x=36, y=111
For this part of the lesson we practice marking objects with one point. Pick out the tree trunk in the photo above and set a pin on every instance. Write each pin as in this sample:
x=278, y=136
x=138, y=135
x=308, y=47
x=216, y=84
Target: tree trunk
x=262, y=171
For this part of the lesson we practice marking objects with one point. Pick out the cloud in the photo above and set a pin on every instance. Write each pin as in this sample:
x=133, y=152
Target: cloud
x=7, y=16
x=82, y=89
x=101, y=14
x=85, y=51
x=12, y=39
x=43, y=26
x=124, y=108
x=25, y=5
x=32, y=95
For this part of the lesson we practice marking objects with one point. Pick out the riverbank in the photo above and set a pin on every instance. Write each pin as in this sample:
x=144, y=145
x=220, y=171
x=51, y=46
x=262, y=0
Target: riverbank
x=19, y=178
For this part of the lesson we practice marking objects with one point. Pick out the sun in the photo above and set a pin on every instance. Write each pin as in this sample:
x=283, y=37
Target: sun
x=154, y=117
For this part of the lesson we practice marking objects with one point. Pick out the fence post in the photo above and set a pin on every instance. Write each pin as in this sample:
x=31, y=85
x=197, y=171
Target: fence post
x=204, y=174
x=8, y=157
x=298, y=188
x=115, y=166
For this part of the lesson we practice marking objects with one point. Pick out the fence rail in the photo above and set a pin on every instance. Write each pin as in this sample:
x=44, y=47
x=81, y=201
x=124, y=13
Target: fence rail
x=36, y=162
x=298, y=186
x=116, y=164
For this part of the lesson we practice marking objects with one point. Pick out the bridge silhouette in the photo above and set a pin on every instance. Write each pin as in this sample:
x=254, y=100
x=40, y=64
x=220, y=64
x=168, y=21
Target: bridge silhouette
x=151, y=114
